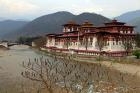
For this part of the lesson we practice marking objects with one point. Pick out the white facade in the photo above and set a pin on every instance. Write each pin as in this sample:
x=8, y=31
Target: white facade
x=50, y=42
x=92, y=46
x=84, y=38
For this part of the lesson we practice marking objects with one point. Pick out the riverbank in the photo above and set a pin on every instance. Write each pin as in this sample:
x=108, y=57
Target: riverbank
x=132, y=68
x=116, y=72
x=104, y=77
x=3, y=50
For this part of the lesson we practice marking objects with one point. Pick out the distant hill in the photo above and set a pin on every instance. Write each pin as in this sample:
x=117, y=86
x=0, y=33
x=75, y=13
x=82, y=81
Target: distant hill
x=52, y=23
x=96, y=19
x=8, y=26
x=127, y=17
x=132, y=18
x=135, y=22
x=1, y=18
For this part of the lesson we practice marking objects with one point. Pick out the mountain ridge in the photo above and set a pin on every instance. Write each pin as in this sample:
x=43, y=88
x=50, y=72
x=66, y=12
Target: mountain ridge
x=7, y=26
x=52, y=23
x=128, y=16
x=135, y=22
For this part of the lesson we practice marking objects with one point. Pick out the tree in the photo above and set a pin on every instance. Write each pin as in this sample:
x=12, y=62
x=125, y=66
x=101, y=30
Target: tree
x=21, y=40
x=85, y=42
x=127, y=44
x=50, y=73
x=74, y=77
x=137, y=53
x=53, y=74
x=67, y=43
x=41, y=71
x=100, y=42
x=26, y=40
x=40, y=42
x=137, y=40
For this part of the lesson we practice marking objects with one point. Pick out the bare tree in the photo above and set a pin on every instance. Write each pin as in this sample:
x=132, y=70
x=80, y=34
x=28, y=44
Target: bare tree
x=85, y=42
x=100, y=43
x=137, y=40
x=127, y=44
x=42, y=71
x=67, y=43
x=73, y=77
x=51, y=74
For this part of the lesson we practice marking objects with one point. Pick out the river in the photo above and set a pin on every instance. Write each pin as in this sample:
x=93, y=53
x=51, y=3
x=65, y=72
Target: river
x=11, y=60
x=11, y=64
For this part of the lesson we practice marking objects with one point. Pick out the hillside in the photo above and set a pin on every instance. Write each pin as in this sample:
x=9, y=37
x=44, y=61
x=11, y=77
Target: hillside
x=45, y=24
x=52, y=23
x=8, y=26
x=136, y=22
x=96, y=19
x=127, y=17
x=1, y=18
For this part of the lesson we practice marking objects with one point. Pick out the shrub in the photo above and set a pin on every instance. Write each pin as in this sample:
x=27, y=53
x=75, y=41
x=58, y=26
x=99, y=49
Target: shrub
x=137, y=53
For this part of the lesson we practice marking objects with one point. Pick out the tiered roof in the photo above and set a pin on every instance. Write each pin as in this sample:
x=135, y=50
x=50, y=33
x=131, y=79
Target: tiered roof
x=87, y=24
x=71, y=23
x=114, y=23
x=93, y=29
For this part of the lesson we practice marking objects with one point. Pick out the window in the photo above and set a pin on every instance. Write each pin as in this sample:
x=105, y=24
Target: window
x=125, y=32
x=108, y=43
x=121, y=31
x=90, y=43
x=120, y=43
x=72, y=29
x=77, y=29
x=116, y=42
x=91, y=39
x=113, y=43
x=68, y=30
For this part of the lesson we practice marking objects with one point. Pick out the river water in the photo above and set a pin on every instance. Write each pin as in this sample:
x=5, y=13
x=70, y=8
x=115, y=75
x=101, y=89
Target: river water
x=11, y=60
x=11, y=64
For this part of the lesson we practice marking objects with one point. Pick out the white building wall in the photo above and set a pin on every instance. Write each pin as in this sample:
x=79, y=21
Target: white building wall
x=74, y=45
x=114, y=47
x=60, y=45
x=47, y=43
x=50, y=42
x=94, y=42
x=33, y=44
x=94, y=45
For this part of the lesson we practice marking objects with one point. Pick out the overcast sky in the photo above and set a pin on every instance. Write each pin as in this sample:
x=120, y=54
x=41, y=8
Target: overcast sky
x=30, y=9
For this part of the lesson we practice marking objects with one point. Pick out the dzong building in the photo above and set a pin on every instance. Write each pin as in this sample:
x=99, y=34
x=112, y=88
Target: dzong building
x=110, y=39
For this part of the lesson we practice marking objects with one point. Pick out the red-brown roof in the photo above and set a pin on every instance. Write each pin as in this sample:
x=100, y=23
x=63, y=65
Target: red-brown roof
x=114, y=22
x=71, y=23
x=87, y=24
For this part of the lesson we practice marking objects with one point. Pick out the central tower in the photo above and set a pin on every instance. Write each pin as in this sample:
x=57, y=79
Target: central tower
x=71, y=26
